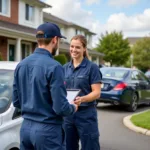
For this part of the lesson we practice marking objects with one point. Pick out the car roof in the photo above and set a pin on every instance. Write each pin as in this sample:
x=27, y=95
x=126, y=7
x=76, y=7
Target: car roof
x=8, y=65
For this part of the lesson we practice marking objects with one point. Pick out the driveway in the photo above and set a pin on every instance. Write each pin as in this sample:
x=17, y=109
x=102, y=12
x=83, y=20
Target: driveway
x=114, y=135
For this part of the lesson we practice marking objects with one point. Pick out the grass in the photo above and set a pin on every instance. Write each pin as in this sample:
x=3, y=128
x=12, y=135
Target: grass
x=142, y=120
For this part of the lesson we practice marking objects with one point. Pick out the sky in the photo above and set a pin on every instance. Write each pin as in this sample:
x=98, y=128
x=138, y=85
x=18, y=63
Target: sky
x=132, y=17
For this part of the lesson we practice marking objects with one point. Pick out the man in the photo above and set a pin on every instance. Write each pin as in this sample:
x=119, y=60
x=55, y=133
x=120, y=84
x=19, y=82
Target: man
x=39, y=92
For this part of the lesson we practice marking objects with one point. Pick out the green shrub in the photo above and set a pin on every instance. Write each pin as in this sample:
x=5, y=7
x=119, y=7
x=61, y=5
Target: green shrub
x=1, y=57
x=62, y=59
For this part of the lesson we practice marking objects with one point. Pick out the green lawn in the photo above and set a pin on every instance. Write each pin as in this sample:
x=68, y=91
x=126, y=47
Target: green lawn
x=142, y=120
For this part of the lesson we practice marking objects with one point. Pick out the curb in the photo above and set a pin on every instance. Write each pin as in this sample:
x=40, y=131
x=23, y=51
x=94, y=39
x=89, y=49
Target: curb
x=127, y=122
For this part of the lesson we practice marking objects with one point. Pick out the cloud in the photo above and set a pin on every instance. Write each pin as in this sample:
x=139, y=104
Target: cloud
x=136, y=23
x=122, y=3
x=71, y=10
x=90, y=2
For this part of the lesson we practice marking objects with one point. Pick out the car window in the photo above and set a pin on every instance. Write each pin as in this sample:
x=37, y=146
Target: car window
x=113, y=72
x=144, y=77
x=137, y=75
x=6, y=81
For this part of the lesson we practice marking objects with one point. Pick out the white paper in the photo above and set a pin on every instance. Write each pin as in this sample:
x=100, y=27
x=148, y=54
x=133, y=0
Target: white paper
x=71, y=95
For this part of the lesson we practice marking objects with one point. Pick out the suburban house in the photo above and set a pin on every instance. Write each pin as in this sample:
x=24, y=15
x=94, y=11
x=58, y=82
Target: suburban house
x=18, y=21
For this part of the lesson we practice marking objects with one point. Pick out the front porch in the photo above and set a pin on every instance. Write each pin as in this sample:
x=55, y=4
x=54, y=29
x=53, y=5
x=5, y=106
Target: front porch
x=12, y=49
x=16, y=41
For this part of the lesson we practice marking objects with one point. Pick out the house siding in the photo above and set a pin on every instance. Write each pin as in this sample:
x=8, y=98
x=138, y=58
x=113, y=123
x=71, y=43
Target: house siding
x=37, y=17
x=13, y=12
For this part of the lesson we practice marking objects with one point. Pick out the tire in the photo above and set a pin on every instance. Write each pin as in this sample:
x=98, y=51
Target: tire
x=133, y=103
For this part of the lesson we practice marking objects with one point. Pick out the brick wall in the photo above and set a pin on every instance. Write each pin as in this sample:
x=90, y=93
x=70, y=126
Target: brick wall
x=13, y=12
x=3, y=47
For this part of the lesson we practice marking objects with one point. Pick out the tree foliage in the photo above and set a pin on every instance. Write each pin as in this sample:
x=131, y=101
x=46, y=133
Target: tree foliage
x=141, y=53
x=115, y=48
x=61, y=58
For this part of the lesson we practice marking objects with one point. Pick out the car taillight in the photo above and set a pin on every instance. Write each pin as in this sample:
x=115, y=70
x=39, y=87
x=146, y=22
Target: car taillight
x=120, y=86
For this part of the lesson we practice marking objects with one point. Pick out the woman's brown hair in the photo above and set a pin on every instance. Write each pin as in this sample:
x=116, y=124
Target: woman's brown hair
x=84, y=43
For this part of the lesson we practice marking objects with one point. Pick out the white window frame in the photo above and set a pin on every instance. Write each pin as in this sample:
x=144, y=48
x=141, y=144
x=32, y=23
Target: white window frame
x=10, y=42
x=30, y=48
x=7, y=7
x=33, y=11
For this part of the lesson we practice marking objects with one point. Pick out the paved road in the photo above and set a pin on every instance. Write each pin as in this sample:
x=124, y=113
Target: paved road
x=114, y=135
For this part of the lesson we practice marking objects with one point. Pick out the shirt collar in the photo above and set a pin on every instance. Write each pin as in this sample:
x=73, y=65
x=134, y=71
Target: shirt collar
x=83, y=63
x=43, y=51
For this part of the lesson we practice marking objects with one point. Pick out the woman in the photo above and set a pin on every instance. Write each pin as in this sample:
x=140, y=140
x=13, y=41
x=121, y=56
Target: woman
x=82, y=74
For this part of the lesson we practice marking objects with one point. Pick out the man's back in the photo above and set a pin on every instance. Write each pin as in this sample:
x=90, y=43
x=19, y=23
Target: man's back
x=42, y=95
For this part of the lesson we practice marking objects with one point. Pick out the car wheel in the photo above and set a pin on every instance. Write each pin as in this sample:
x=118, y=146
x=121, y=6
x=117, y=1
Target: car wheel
x=133, y=103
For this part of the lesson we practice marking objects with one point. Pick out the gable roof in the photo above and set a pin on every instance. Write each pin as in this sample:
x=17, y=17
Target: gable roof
x=58, y=20
x=42, y=4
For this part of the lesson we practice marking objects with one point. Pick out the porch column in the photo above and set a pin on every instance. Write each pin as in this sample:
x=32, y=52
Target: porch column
x=18, y=49
x=97, y=60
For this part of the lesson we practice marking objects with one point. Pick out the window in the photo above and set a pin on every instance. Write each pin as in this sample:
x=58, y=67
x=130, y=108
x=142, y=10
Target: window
x=5, y=7
x=29, y=14
x=114, y=72
x=6, y=82
x=26, y=50
x=136, y=76
x=144, y=77
x=78, y=32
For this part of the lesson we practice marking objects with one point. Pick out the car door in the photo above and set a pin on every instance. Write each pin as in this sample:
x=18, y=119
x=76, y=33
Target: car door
x=147, y=85
x=138, y=83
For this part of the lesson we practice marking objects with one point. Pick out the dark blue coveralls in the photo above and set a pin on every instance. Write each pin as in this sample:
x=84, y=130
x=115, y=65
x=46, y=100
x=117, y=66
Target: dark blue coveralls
x=83, y=124
x=40, y=93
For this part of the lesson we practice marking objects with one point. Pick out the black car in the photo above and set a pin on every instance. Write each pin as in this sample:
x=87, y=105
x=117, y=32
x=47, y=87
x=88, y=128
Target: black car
x=124, y=86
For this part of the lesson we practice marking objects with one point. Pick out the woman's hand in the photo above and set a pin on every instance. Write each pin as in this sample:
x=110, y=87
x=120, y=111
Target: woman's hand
x=78, y=100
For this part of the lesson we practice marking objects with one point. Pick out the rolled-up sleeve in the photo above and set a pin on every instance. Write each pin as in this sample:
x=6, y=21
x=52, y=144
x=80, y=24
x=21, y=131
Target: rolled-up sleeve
x=58, y=92
x=95, y=74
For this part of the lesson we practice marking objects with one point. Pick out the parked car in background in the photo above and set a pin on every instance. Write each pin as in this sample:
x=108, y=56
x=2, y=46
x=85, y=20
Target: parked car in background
x=124, y=86
x=148, y=74
x=10, y=117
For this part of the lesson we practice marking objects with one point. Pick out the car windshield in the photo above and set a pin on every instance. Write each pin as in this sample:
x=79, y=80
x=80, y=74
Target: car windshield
x=6, y=81
x=113, y=72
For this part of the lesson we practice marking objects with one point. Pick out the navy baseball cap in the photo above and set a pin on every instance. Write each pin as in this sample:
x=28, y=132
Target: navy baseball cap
x=50, y=30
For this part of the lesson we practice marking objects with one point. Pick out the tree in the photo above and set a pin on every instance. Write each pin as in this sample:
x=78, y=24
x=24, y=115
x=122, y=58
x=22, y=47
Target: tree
x=141, y=53
x=115, y=48
x=62, y=59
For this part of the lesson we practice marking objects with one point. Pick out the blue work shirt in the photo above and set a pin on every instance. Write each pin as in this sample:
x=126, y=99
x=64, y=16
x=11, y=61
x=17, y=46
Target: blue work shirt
x=82, y=77
x=39, y=89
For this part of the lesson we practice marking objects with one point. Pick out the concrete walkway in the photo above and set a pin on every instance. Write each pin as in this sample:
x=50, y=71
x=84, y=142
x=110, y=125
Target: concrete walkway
x=127, y=122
